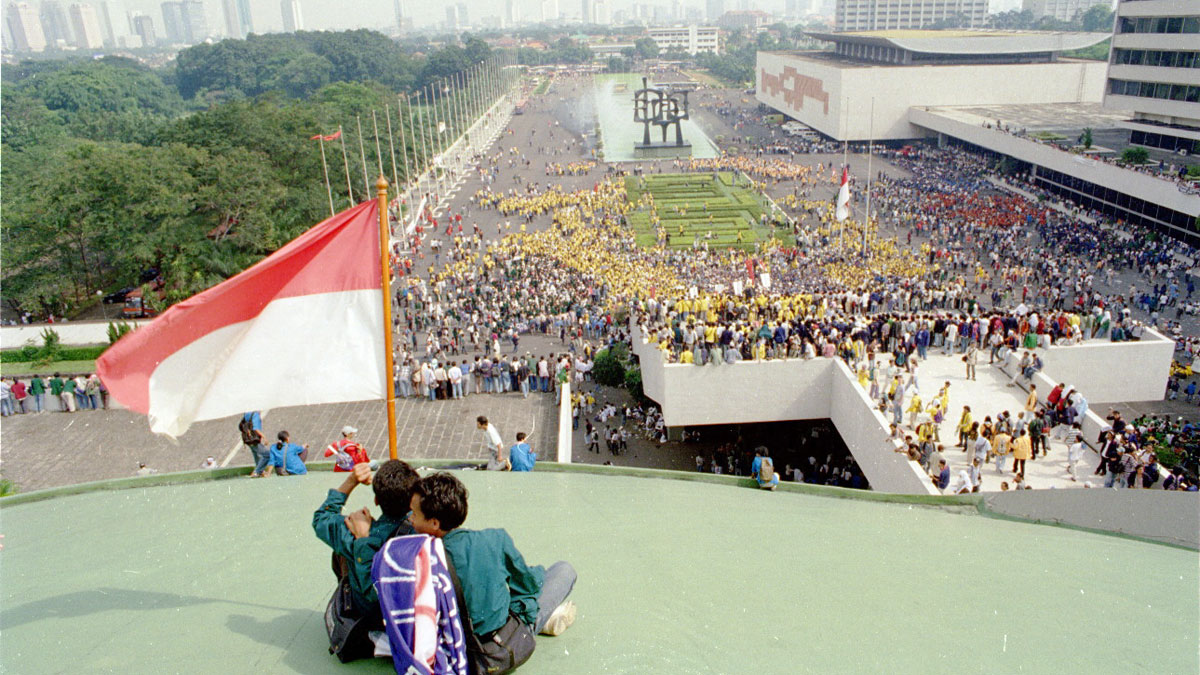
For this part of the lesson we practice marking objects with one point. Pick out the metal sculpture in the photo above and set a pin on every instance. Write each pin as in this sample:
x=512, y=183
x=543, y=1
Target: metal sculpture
x=659, y=107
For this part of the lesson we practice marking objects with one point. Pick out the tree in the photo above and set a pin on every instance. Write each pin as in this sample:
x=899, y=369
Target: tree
x=1085, y=139
x=1097, y=19
x=1135, y=154
x=646, y=48
x=608, y=368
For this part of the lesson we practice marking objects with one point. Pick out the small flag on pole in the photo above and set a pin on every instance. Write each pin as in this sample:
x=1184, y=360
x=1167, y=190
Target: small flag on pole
x=301, y=327
x=843, y=197
x=331, y=137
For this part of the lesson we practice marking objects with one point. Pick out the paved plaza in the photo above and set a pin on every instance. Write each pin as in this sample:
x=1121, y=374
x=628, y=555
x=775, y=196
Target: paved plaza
x=54, y=449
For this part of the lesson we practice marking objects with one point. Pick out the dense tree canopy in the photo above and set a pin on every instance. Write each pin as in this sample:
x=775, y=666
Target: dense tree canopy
x=112, y=169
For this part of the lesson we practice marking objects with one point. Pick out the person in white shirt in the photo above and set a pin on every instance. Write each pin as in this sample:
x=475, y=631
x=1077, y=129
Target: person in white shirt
x=456, y=377
x=493, y=447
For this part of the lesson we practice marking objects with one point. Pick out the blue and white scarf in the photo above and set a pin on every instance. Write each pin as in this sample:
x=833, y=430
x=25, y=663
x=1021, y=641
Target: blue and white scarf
x=420, y=612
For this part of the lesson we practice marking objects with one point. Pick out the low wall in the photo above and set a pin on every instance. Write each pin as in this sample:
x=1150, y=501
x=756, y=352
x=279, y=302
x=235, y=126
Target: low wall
x=1166, y=517
x=565, y=434
x=70, y=333
x=1110, y=372
x=866, y=433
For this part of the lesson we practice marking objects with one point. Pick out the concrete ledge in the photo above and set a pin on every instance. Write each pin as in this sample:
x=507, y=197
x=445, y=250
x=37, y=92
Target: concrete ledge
x=1154, y=516
x=1171, y=518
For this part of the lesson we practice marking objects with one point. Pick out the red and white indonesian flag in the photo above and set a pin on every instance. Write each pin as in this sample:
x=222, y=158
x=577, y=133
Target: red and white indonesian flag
x=303, y=326
x=843, y=198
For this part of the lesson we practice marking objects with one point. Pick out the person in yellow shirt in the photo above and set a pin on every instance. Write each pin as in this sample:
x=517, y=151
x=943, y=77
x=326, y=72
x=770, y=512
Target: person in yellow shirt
x=914, y=409
x=964, y=427
x=1021, y=451
x=685, y=356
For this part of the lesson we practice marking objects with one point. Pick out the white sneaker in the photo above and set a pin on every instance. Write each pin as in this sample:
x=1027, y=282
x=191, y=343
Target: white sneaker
x=560, y=619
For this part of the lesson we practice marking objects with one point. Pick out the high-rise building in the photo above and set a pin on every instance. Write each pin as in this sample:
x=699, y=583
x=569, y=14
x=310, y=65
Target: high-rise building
x=452, y=20
x=587, y=11
x=464, y=19
x=25, y=28
x=143, y=27
x=173, y=30
x=857, y=15
x=195, y=21
x=602, y=12
x=293, y=20
x=714, y=9
x=1154, y=70
x=549, y=10
x=1063, y=10
x=510, y=13
x=111, y=21
x=237, y=18
x=398, y=9
x=86, y=26
x=55, y=24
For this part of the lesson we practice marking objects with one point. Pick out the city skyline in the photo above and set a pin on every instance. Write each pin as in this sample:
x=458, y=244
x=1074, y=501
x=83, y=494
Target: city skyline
x=234, y=18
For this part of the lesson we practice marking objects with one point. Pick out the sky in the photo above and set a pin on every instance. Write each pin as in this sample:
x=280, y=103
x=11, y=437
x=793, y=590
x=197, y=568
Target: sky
x=379, y=14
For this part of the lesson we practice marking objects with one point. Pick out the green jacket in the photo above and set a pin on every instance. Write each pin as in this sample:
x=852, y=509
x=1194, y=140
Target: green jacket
x=495, y=578
x=330, y=527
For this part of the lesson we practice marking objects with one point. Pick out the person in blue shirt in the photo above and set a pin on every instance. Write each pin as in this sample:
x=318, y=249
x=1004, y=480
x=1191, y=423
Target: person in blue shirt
x=250, y=427
x=521, y=455
x=763, y=469
x=288, y=458
x=497, y=585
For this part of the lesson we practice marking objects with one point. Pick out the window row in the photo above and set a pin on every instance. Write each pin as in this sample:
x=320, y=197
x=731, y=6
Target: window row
x=1162, y=59
x=1159, y=24
x=1111, y=201
x=1169, y=92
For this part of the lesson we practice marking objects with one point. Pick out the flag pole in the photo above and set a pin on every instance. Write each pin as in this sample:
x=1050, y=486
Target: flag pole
x=378, y=152
x=346, y=165
x=325, y=168
x=363, y=153
x=392, y=147
x=870, y=178
x=381, y=189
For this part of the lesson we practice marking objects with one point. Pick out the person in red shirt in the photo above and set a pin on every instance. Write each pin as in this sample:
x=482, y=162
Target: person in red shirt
x=346, y=452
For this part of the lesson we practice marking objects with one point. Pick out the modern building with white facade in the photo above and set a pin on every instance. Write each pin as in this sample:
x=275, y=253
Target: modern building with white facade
x=1063, y=10
x=853, y=15
x=293, y=18
x=832, y=92
x=25, y=27
x=86, y=26
x=1154, y=70
x=691, y=39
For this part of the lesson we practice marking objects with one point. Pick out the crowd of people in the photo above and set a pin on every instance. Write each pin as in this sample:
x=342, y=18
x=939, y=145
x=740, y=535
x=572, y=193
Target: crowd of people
x=68, y=393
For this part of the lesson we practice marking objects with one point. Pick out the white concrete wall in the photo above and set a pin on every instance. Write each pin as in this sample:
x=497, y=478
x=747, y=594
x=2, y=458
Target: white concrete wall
x=71, y=333
x=826, y=83
x=1108, y=372
x=746, y=392
x=865, y=431
x=771, y=391
x=897, y=88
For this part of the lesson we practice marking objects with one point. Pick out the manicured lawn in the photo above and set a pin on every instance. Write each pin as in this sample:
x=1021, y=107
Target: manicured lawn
x=697, y=205
x=27, y=368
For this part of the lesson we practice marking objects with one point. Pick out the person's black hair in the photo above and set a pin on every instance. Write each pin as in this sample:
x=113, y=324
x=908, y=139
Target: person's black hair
x=481, y=420
x=394, y=483
x=282, y=436
x=443, y=497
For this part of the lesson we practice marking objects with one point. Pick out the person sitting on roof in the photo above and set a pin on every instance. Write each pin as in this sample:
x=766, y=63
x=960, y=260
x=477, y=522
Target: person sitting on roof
x=357, y=537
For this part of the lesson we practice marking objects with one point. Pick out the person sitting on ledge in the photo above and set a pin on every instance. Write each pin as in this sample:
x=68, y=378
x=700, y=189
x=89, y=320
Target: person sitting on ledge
x=357, y=537
x=496, y=584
